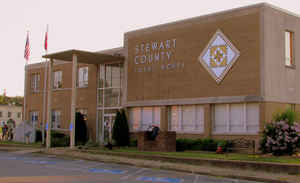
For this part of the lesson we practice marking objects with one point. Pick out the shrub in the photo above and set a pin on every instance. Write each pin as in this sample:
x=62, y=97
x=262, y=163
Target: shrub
x=133, y=143
x=80, y=129
x=59, y=139
x=38, y=136
x=120, y=132
x=90, y=143
x=206, y=144
x=281, y=138
x=288, y=115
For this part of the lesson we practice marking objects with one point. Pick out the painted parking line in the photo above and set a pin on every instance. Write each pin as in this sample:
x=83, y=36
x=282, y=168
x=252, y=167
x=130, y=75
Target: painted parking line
x=160, y=179
x=110, y=171
x=36, y=162
x=196, y=179
x=135, y=173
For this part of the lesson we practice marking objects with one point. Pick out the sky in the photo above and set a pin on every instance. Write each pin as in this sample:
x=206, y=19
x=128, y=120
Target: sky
x=90, y=25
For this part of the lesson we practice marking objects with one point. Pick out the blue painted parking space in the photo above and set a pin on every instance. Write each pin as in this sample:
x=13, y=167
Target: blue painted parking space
x=110, y=171
x=160, y=179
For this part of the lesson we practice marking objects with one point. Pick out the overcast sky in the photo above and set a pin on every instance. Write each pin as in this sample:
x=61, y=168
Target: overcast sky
x=90, y=25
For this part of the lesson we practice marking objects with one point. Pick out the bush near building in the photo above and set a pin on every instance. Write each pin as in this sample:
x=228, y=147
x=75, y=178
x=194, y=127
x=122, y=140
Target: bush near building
x=206, y=144
x=59, y=139
x=81, y=135
x=282, y=136
x=121, y=130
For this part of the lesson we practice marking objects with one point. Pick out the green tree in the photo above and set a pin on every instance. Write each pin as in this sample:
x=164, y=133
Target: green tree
x=80, y=129
x=121, y=129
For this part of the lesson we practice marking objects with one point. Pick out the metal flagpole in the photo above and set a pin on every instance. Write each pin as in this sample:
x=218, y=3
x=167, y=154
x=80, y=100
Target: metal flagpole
x=45, y=86
x=25, y=82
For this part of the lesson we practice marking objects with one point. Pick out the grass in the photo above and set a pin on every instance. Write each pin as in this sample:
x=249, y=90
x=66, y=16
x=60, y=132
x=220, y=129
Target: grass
x=210, y=155
x=20, y=144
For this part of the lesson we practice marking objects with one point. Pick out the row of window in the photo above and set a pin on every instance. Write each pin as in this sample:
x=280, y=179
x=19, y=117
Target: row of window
x=227, y=118
x=9, y=114
x=56, y=116
x=82, y=80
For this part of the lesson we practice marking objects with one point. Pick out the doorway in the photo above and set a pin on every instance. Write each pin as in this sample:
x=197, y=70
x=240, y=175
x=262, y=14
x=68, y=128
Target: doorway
x=109, y=120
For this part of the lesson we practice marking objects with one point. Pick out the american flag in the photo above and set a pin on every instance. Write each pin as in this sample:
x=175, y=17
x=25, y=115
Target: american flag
x=27, y=49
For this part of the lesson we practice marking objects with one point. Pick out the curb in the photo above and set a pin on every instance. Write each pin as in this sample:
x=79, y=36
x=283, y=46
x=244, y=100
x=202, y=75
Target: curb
x=249, y=178
x=292, y=169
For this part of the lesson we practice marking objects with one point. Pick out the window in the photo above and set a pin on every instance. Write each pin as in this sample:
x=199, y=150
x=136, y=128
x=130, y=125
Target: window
x=9, y=114
x=236, y=118
x=34, y=117
x=109, y=91
x=186, y=118
x=0, y=114
x=143, y=117
x=19, y=115
x=35, y=82
x=56, y=117
x=289, y=48
x=83, y=76
x=57, y=83
x=84, y=112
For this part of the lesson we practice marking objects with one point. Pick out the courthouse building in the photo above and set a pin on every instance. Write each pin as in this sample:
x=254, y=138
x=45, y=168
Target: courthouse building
x=221, y=75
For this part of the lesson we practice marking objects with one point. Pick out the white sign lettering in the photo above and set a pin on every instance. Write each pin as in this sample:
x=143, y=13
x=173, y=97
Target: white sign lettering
x=152, y=53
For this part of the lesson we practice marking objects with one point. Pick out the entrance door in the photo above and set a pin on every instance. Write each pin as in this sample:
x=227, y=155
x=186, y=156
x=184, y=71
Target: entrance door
x=108, y=126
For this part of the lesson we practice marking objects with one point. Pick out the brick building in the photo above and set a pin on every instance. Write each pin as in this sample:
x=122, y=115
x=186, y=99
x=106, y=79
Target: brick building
x=220, y=75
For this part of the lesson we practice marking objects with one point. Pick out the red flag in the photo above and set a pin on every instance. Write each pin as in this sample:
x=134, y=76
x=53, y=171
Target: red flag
x=27, y=49
x=46, y=40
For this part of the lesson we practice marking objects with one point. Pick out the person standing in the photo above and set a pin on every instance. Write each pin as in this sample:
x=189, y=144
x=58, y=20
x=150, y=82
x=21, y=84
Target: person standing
x=1, y=132
x=4, y=131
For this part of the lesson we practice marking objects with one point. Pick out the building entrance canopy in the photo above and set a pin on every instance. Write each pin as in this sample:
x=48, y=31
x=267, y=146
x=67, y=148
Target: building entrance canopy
x=84, y=57
x=74, y=56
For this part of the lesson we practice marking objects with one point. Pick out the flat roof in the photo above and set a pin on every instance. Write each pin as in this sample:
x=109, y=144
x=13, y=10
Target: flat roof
x=85, y=57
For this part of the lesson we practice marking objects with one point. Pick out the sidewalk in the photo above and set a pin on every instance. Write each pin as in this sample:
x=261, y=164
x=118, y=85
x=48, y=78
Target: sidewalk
x=234, y=172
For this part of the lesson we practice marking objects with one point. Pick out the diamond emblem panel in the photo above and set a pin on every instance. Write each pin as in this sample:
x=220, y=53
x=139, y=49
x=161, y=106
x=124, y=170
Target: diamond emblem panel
x=219, y=56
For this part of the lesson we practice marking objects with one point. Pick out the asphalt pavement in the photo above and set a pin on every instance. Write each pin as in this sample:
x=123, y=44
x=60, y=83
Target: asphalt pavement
x=38, y=168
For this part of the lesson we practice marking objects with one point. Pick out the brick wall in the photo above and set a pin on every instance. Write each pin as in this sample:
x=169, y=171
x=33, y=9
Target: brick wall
x=165, y=141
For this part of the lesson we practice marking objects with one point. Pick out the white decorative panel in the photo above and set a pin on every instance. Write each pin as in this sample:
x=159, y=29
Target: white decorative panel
x=219, y=56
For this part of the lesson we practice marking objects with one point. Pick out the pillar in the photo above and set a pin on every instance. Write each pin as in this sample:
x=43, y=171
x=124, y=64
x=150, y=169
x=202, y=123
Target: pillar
x=164, y=118
x=73, y=101
x=208, y=120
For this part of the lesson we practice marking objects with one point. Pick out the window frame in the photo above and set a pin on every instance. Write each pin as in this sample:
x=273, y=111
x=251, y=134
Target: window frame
x=57, y=79
x=35, y=82
x=289, y=61
x=229, y=123
x=56, y=119
x=82, y=78
x=198, y=121
x=141, y=124
x=9, y=114
x=34, y=113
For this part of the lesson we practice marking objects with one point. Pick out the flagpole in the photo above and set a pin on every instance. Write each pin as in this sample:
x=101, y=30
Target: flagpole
x=25, y=88
x=45, y=90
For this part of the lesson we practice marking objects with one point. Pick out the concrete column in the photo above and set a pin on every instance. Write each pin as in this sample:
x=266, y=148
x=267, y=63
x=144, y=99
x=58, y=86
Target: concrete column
x=164, y=118
x=49, y=116
x=208, y=120
x=73, y=100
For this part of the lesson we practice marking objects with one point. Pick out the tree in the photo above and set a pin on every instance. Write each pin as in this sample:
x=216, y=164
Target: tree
x=80, y=129
x=121, y=129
